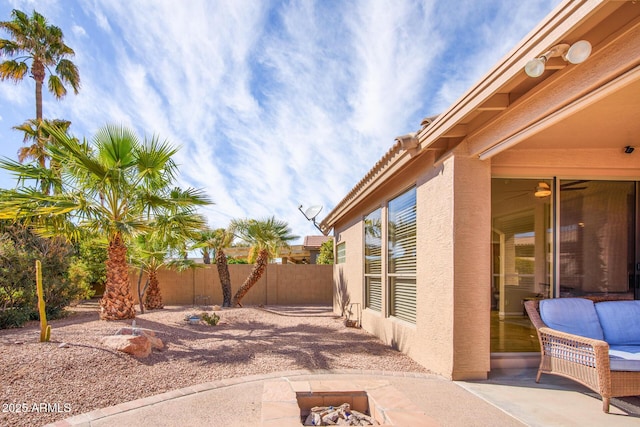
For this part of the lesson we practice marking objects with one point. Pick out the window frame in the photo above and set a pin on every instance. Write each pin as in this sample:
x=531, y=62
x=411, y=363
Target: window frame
x=341, y=253
x=373, y=301
x=401, y=274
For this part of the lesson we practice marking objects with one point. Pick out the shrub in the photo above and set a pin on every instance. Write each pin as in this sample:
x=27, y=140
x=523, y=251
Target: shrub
x=326, y=253
x=93, y=255
x=13, y=317
x=79, y=276
x=19, y=249
x=211, y=320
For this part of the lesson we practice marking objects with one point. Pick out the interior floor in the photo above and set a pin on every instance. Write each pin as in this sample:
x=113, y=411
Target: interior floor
x=513, y=334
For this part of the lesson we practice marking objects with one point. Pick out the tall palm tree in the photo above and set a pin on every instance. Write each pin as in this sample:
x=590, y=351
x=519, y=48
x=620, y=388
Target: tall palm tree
x=34, y=40
x=116, y=186
x=265, y=239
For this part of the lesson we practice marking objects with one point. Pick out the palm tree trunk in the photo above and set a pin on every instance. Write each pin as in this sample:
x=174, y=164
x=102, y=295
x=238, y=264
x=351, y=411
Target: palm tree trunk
x=117, y=301
x=38, y=73
x=153, y=300
x=225, y=278
x=258, y=270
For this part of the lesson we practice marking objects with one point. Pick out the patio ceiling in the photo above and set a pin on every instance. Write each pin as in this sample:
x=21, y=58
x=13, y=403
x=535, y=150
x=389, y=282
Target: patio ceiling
x=612, y=122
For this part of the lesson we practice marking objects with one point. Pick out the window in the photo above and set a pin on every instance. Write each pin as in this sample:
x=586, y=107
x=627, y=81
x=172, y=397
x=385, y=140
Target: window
x=401, y=235
x=341, y=256
x=373, y=260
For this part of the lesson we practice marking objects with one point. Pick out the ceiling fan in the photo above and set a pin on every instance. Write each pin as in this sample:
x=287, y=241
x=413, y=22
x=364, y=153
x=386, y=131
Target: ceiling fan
x=543, y=189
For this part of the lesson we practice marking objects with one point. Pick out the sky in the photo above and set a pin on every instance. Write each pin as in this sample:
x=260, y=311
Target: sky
x=274, y=104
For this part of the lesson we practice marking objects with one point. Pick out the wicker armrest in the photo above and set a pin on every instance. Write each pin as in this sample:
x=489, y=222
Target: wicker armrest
x=574, y=348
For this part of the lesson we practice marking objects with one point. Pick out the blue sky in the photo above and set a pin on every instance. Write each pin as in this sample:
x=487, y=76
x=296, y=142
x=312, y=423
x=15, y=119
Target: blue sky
x=274, y=103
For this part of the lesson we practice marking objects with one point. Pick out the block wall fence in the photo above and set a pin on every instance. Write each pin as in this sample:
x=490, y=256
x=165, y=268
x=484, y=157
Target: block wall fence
x=281, y=284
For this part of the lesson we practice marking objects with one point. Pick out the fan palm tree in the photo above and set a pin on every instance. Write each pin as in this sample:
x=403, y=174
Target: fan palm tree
x=152, y=251
x=216, y=241
x=34, y=40
x=173, y=227
x=265, y=239
x=35, y=133
x=206, y=243
x=116, y=187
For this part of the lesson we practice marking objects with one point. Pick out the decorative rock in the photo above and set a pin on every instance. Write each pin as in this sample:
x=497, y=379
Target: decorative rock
x=136, y=345
x=156, y=343
x=63, y=345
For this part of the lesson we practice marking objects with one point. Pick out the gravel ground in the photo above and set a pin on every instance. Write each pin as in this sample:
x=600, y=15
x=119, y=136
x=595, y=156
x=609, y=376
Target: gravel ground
x=86, y=375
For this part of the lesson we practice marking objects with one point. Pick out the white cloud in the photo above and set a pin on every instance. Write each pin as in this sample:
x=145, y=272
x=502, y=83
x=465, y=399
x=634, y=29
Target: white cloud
x=78, y=31
x=274, y=104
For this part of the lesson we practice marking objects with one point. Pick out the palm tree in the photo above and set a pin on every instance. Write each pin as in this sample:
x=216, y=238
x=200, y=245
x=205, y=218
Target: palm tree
x=153, y=250
x=34, y=40
x=173, y=226
x=216, y=241
x=205, y=241
x=116, y=187
x=34, y=132
x=265, y=239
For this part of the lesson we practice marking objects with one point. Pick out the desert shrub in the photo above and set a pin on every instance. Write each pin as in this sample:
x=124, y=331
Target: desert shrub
x=326, y=253
x=13, y=317
x=19, y=249
x=79, y=276
x=210, y=319
x=16, y=293
x=93, y=255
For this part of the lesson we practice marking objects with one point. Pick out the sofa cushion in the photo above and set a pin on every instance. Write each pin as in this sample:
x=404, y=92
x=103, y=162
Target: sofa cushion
x=624, y=357
x=572, y=315
x=620, y=321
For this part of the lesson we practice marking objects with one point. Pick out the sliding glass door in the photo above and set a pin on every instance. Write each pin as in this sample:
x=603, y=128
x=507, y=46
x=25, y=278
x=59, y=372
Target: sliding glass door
x=598, y=238
x=559, y=238
x=522, y=264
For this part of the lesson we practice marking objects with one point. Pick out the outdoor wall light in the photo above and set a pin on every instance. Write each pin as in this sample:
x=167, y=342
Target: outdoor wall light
x=575, y=54
x=629, y=149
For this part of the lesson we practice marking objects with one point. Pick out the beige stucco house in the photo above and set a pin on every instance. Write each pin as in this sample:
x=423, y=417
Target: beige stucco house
x=526, y=187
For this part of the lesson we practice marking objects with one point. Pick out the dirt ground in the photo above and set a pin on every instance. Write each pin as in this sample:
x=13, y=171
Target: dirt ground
x=44, y=382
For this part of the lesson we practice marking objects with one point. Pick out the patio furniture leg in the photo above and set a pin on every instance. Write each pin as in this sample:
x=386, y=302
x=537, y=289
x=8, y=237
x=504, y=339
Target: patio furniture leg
x=605, y=404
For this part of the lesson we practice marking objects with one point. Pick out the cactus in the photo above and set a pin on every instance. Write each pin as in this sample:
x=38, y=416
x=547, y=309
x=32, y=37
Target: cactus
x=45, y=330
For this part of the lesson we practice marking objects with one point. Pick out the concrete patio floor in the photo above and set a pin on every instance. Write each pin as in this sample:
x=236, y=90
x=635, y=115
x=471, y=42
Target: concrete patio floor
x=506, y=399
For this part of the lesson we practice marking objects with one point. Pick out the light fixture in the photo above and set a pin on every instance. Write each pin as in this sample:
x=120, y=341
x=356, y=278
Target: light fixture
x=629, y=149
x=542, y=190
x=575, y=54
x=578, y=52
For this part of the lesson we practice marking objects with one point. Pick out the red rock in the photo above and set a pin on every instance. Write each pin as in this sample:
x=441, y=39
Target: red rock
x=136, y=345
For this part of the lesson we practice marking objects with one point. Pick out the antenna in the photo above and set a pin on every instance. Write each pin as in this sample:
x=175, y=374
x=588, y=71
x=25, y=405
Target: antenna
x=311, y=214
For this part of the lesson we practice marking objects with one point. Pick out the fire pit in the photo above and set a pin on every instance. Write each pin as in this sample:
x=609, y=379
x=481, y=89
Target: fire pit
x=353, y=411
x=288, y=403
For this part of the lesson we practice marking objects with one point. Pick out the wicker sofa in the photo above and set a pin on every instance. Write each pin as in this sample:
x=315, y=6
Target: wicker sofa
x=596, y=344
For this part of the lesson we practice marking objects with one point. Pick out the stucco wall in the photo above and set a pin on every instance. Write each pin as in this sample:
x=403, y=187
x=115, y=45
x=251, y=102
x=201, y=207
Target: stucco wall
x=472, y=266
x=453, y=231
x=281, y=284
